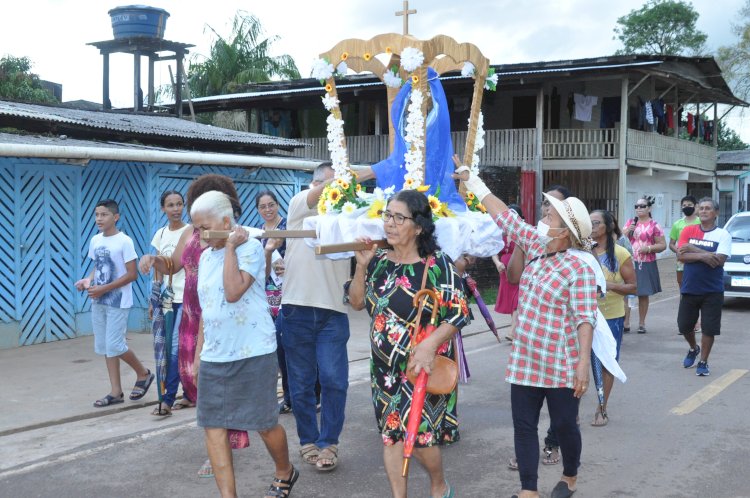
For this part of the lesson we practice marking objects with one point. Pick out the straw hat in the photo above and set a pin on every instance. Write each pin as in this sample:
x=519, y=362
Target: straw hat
x=574, y=214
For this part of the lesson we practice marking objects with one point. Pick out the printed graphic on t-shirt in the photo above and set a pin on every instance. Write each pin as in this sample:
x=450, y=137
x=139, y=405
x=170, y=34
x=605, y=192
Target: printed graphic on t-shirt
x=105, y=272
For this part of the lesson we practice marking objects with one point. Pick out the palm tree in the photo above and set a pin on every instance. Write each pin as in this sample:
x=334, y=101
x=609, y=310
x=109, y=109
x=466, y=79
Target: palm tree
x=240, y=59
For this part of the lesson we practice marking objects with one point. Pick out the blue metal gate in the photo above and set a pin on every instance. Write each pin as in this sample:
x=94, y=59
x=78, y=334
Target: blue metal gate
x=47, y=253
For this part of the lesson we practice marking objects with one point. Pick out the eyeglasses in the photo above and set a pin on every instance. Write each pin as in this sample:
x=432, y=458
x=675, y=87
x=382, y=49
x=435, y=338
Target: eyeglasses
x=397, y=218
x=641, y=206
x=545, y=203
x=595, y=224
x=270, y=205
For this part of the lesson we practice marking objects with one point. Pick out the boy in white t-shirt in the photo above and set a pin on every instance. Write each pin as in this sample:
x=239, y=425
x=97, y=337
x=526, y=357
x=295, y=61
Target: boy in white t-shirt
x=109, y=287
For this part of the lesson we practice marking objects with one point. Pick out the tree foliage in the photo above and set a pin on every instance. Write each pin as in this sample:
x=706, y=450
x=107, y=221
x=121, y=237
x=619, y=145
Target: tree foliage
x=242, y=58
x=728, y=139
x=17, y=82
x=735, y=59
x=661, y=27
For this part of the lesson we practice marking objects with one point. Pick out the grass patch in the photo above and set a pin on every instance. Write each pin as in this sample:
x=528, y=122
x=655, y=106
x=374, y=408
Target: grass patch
x=489, y=296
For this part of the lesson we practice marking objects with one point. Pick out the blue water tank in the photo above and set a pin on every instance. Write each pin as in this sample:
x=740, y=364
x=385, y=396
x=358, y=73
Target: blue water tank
x=138, y=20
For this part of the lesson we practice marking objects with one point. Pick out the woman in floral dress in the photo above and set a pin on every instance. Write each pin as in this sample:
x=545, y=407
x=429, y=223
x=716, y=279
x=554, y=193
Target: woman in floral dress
x=385, y=282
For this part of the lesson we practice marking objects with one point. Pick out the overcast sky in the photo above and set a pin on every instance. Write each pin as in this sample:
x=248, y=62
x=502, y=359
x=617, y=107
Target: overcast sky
x=54, y=33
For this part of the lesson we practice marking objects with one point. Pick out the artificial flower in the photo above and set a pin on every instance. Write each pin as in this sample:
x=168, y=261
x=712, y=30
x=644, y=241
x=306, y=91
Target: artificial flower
x=330, y=102
x=367, y=56
x=491, y=82
x=344, y=184
x=481, y=207
x=344, y=56
x=392, y=79
x=423, y=188
x=342, y=68
x=322, y=69
x=358, y=187
x=470, y=196
x=334, y=195
x=348, y=207
x=468, y=70
x=411, y=58
x=414, y=79
x=329, y=87
x=388, y=50
x=376, y=208
x=409, y=183
x=434, y=204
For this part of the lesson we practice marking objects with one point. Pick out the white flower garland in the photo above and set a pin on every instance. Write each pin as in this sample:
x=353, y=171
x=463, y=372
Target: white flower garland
x=478, y=143
x=491, y=82
x=468, y=70
x=330, y=102
x=414, y=157
x=411, y=58
x=392, y=79
x=321, y=69
x=342, y=68
x=339, y=158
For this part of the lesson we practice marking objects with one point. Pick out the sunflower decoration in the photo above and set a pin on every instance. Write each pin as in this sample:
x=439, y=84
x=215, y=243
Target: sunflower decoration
x=439, y=209
x=473, y=203
x=341, y=196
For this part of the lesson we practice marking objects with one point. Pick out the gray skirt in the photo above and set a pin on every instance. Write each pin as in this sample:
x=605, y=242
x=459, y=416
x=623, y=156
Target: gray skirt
x=647, y=278
x=239, y=394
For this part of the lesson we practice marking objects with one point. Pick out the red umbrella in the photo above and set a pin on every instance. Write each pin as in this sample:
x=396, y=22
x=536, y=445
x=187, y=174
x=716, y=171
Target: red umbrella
x=420, y=386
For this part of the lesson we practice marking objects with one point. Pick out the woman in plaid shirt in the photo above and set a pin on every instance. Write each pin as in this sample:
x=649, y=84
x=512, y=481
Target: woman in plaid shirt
x=551, y=355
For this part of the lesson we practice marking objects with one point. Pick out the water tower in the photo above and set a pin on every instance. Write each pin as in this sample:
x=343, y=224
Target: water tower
x=139, y=30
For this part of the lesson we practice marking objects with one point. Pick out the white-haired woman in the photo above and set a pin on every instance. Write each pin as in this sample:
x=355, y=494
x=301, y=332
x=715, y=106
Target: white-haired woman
x=551, y=353
x=235, y=362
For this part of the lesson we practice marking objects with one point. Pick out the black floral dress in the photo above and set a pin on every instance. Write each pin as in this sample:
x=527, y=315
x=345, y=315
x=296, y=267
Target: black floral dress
x=389, y=291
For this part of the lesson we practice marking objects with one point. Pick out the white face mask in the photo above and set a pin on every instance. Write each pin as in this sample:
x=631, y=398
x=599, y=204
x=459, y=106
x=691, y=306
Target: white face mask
x=542, y=229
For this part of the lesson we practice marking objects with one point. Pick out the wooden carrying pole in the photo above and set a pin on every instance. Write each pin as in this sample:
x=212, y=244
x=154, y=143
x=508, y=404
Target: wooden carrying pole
x=267, y=234
x=349, y=246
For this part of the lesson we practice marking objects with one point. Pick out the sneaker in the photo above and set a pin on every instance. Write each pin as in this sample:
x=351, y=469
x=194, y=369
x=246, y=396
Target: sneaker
x=285, y=407
x=702, y=369
x=689, y=360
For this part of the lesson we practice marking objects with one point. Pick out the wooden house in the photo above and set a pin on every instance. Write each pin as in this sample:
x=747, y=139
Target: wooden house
x=49, y=185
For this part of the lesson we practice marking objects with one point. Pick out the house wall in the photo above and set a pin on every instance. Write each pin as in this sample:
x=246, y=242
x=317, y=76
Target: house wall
x=46, y=222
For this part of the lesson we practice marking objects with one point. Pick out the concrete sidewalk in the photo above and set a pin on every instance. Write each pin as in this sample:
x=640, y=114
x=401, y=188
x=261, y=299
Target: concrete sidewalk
x=55, y=383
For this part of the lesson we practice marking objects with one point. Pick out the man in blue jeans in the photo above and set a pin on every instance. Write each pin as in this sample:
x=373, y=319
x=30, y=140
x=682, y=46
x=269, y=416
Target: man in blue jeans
x=314, y=332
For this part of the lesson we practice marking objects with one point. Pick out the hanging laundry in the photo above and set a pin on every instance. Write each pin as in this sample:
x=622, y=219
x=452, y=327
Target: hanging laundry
x=690, y=125
x=670, y=117
x=657, y=106
x=610, y=112
x=584, y=104
x=649, y=113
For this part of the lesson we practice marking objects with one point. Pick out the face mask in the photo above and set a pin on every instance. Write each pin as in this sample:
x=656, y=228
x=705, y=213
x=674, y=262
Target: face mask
x=689, y=210
x=542, y=229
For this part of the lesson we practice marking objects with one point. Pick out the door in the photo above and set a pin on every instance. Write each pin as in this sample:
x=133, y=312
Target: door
x=45, y=293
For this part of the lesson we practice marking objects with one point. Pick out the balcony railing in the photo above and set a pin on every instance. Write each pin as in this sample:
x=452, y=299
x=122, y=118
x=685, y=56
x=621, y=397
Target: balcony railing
x=517, y=147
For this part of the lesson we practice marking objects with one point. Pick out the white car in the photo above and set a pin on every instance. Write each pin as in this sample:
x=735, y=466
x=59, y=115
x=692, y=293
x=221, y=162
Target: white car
x=737, y=267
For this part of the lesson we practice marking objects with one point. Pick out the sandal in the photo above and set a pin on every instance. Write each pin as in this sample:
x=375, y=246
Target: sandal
x=551, y=455
x=330, y=453
x=141, y=387
x=206, y=469
x=449, y=491
x=281, y=488
x=600, y=418
x=109, y=400
x=183, y=403
x=641, y=329
x=309, y=453
x=162, y=412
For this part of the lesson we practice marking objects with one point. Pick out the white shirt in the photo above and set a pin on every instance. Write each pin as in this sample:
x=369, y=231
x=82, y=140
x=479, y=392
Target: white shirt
x=235, y=331
x=584, y=103
x=110, y=255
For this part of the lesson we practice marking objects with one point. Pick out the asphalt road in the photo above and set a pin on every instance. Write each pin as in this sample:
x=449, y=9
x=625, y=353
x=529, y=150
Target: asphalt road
x=671, y=434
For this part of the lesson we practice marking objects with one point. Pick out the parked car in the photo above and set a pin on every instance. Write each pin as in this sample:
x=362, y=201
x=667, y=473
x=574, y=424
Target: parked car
x=737, y=267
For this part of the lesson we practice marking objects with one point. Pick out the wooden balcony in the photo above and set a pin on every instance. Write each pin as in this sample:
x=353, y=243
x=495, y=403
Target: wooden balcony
x=516, y=148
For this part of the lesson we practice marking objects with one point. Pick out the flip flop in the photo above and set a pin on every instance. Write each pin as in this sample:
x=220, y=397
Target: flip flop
x=206, y=470
x=162, y=412
x=183, y=403
x=561, y=490
x=600, y=419
x=109, y=400
x=141, y=387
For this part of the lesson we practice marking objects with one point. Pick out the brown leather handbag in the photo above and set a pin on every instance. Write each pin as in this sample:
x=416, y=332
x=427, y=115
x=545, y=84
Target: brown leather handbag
x=443, y=376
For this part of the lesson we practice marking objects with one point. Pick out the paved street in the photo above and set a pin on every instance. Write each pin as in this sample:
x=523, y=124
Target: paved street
x=671, y=433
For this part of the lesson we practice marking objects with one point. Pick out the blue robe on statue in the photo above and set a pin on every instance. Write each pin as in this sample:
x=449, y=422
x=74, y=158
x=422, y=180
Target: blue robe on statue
x=438, y=147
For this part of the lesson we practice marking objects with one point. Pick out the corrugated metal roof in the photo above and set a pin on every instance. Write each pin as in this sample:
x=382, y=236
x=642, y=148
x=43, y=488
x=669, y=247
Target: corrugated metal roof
x=138, y=126
x=733, y=157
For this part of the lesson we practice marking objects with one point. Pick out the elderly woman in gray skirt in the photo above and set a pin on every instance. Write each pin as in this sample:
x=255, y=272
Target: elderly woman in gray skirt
x=235, y=360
